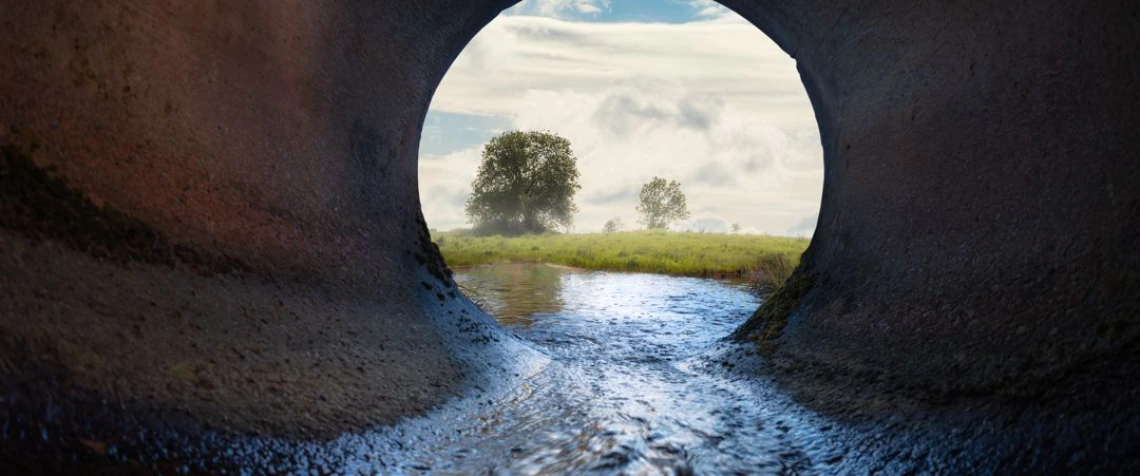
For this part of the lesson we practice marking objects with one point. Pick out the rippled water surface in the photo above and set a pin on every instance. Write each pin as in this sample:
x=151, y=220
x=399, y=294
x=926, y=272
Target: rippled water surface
x=623, y=393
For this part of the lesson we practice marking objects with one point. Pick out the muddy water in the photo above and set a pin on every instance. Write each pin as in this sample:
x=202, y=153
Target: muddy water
x=625, y=391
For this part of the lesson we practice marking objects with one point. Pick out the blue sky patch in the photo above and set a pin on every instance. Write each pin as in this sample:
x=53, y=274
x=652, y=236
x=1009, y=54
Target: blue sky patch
x=639, y=11
x=447, y=132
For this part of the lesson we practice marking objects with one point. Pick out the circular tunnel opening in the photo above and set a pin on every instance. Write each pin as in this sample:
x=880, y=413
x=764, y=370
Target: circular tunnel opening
x=686, y=91
x=211, y=219
x=626, y=304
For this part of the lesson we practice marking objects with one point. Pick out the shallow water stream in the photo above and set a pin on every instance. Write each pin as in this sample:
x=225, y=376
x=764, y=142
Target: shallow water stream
x=624, y=393
x=632, y=376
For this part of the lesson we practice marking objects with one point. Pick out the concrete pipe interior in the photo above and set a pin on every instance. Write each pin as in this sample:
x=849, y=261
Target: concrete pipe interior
x=209, y=213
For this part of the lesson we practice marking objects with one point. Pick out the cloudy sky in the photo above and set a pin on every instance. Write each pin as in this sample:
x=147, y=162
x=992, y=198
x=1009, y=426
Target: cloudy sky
x=682, y=89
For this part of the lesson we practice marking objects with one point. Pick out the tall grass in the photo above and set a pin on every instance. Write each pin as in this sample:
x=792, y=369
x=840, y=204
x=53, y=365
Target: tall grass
x=773, y=273
x=676, y=253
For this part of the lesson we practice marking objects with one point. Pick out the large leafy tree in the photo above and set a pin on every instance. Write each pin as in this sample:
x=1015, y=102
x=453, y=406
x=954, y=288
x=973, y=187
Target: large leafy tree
x=662, y=202
x=525, y=184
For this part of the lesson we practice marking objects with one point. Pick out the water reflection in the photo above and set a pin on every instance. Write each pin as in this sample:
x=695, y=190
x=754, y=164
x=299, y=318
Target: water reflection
x=515, y=293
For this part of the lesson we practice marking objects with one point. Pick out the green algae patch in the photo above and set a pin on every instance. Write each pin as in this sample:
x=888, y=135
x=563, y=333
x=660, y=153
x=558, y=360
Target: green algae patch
x=768, y=322
x=42, y=206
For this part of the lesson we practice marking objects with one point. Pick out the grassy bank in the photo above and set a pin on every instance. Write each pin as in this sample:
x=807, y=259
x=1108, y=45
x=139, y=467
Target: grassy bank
x=678, y=253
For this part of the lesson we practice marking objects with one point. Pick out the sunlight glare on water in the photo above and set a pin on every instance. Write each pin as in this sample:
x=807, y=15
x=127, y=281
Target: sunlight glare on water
x=622, y=395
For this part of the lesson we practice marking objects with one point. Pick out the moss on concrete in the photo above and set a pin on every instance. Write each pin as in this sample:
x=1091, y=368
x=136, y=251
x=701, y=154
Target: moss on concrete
x=768, y=322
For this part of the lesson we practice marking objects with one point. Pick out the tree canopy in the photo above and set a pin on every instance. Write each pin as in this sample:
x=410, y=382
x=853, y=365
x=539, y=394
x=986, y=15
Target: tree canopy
x=662, y=202
x=613, y=225
x=525, y=184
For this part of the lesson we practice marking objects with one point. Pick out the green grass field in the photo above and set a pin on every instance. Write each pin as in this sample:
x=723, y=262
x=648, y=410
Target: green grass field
x=677, y=253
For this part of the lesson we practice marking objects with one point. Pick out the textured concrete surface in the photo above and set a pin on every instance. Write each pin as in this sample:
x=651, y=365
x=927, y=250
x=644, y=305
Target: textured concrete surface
x=229, y=233
x=981, y=198
x=253, y=165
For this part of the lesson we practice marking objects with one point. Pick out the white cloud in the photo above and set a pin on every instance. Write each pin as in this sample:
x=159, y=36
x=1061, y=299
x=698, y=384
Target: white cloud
x=709, y=8
x=706, y=223
x=559, y=8
x=805, y=227
x=726, y=57
x=445, y=184
x=713, y=104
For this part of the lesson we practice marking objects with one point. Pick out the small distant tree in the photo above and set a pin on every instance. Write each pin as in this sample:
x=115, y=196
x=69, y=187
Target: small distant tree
x=662, y=202
x=613, y=225
x=735, y=228
x=525, y=184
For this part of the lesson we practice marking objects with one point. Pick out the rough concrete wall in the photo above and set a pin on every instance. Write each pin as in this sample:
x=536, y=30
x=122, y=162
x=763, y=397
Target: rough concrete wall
x=281, y=133
x=210, y=209
x=979, y=214
x=981, y=201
